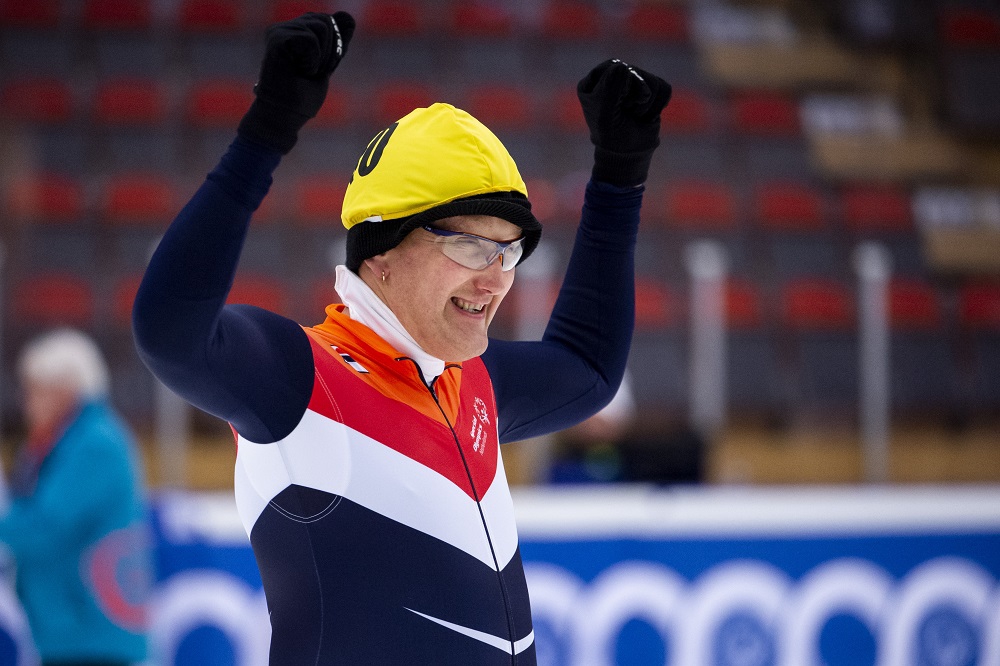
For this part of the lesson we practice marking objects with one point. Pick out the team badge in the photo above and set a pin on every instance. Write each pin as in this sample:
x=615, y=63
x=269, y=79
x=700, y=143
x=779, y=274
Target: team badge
x=480, y=419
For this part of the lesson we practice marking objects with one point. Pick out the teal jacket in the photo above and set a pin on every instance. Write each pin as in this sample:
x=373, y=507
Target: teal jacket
x=81, y=546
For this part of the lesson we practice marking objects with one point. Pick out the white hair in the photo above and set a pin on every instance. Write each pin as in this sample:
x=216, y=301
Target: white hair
x=68, y=357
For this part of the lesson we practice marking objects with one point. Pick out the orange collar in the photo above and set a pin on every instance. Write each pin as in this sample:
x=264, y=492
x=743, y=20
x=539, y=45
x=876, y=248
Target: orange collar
x=339, y=325
x=389, y=371
x=356, y=339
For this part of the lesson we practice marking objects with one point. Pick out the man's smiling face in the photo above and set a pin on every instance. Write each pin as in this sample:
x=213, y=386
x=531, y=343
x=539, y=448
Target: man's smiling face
x=446, y=307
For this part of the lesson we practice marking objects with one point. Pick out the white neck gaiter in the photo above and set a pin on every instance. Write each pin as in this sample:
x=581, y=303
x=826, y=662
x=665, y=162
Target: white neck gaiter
x=367, y=308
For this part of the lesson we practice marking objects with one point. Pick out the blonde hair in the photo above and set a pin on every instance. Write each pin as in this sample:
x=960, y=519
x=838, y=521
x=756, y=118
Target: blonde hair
x=69, y=357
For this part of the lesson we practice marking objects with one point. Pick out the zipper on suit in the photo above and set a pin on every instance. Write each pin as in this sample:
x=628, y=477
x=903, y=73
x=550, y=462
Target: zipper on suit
x=475, y=494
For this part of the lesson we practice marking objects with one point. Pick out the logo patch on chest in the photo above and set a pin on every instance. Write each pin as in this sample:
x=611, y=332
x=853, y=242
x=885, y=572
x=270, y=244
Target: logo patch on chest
x=478, y=433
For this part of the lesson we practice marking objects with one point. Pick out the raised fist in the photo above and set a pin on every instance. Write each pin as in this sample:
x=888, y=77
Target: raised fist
x=622, y=105
x=294, y=76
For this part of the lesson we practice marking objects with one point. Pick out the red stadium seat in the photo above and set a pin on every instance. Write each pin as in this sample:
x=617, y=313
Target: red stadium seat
x=819, y=345
x=567, y=115
x=51, y=299
x=544, y=199
x=876, y=208
x=274, y=208
x=816, y=304
x=396, y=99
x=571, y=19
x=321, y=294
x=29, y=14
x=966, y=27
x=392, y=18
x=744, y=310
x=46, y=197
x=925, y=372
x=318, y=200
x=336, y=109
x=139, y=199
x=501, y=106
x=285, y=10
x=117, y=15
x=122, y=297
x=913, y=305
x=37, y=100
x=210, y=16
x=755, y=384
x=979, y=318
x=688, y=113
x=570, y=191
x=260, y=290
x=218, y=103
x=656, y=306
x=130, y=102
x=478, y=18
x=700, y=204
x=764, y=113
x=789, y=206
x=979, y=306
x=657, y=22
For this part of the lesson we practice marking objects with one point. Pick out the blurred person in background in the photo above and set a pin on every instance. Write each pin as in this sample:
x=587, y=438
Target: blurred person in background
x=589, y=452
x=619, y=444
x=368, y=471
x=76, y=526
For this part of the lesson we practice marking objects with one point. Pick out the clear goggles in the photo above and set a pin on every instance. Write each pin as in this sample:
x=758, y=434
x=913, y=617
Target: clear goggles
x=476, y=252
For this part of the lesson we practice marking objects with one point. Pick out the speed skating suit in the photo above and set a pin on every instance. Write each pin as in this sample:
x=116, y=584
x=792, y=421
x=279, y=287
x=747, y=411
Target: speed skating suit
x=375, y=501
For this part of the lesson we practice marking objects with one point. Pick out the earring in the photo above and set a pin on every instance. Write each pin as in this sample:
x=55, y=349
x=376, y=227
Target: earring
x=383, y=276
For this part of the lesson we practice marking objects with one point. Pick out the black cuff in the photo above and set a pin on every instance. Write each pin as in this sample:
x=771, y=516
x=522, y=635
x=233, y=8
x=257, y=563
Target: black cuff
x=622, y=169
x=271, y=126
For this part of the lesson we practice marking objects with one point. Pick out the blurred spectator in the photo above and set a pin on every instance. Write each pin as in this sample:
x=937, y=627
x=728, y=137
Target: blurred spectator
x=614, y=445
x=588, y=452
x=76, y=525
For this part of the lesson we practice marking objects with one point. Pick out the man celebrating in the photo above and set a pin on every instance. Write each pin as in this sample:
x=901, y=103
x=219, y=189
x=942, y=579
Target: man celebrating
x=368, y=472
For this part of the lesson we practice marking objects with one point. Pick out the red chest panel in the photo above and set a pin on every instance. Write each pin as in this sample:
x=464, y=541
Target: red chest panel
x=409, y=420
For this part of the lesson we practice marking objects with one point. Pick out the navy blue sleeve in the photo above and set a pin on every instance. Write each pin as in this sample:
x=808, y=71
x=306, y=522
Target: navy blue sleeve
x=243, y=364
x=575, y=370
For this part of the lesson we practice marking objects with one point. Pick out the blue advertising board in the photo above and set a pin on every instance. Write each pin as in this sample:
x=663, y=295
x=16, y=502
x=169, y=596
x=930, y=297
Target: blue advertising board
x=641, y=576
x=846, y=577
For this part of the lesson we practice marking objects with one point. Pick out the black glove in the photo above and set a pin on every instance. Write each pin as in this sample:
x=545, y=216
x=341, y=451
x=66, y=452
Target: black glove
x=622, y=105
x=294, y=76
